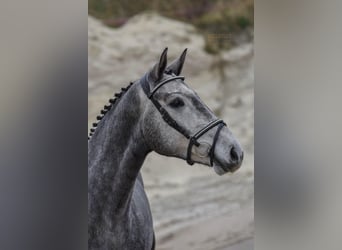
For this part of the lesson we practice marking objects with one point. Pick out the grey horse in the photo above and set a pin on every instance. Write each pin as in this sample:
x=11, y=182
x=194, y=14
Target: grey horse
x=157, y=113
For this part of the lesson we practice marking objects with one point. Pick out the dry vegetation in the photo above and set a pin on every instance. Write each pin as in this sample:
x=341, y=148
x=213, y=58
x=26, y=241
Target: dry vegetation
x=224, y=23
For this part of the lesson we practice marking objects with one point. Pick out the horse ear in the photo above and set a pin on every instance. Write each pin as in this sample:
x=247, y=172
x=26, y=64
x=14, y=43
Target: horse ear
x=177, y=65
x=158, y=69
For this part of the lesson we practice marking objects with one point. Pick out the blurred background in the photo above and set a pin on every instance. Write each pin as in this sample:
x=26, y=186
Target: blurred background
x=192, y=207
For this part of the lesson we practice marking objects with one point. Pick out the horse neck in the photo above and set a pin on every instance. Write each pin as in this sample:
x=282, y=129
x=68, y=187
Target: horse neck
x=116, y=153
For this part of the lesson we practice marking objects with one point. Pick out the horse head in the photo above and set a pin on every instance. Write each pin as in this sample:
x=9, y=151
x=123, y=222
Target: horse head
x=176, y=122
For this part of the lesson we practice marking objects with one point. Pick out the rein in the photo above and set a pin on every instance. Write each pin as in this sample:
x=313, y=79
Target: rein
x=193, y=139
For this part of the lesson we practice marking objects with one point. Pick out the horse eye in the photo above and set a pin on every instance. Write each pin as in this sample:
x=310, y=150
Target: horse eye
x=177, y=103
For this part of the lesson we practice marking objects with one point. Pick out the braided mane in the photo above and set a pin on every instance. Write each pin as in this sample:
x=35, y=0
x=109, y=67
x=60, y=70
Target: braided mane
x=106, y=108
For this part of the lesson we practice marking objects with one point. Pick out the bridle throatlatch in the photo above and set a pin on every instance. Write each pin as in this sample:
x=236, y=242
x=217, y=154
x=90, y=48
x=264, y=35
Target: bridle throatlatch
x=193, y=139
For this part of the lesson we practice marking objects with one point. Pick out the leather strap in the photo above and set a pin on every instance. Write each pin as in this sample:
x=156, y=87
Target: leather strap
x=212, y=149
x=154, y=90
x=194, y=138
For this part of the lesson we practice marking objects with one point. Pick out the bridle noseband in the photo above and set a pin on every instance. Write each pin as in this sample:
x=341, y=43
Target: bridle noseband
x=193, y=139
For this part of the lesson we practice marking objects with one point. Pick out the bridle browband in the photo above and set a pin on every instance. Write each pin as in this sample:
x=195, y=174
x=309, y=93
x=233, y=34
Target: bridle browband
x=193, y=139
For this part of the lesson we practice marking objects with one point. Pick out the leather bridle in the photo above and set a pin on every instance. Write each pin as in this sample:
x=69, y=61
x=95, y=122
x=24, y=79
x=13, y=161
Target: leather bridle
x=193, y=139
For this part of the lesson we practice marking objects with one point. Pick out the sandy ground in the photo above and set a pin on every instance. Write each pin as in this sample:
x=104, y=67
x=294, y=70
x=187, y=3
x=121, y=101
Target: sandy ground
x=192, y=207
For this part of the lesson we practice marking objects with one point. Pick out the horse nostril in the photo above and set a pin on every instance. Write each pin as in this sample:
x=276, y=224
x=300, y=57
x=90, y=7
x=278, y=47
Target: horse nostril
x=234, y=155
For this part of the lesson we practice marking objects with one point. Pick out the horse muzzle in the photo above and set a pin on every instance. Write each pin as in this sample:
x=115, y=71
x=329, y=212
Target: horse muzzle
x=228, y=162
